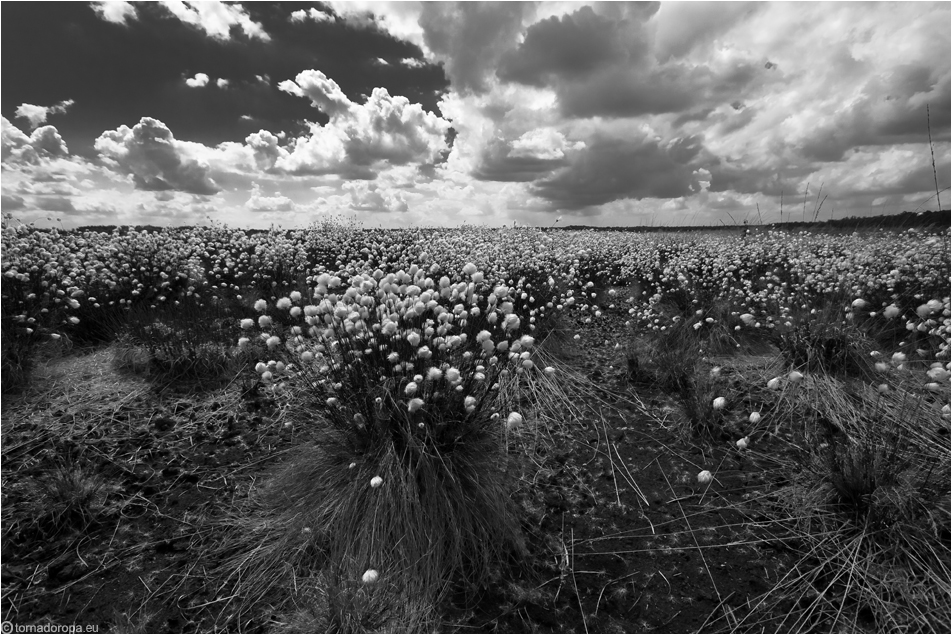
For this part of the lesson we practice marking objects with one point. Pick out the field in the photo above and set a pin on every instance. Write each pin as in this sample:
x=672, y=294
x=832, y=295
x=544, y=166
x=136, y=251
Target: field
x=476, y=430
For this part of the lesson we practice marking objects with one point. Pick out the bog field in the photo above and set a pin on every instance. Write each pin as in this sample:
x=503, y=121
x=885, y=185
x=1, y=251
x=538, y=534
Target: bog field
x=341, y=429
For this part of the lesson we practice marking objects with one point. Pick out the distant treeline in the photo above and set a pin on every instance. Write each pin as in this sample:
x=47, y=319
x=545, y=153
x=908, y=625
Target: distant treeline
x=905, y=220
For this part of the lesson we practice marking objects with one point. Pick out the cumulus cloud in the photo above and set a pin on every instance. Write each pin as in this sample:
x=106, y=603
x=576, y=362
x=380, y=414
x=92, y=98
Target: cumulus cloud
x=257, y=202
x=12, y=138
x=37, y=114
x=47, y=141
x=222, y=83
x=153, y=157
x=399, y=19
x=543, y=143
x=265, y=147
x=311, y=14
x=216, y=19
x=324, y=93
x=117, y=12
x=370, y=197
x=200, y=79
x=359, y=137
x=43, y=143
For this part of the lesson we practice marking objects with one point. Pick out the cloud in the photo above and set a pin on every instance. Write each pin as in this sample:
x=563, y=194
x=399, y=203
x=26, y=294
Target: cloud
x=54, y=204
x=200, y=80
x=602, y=63
x=470, y=37
x=311, y=14
x=399, y=19
x=265, y=147
x=48, y=142
x=117, y=12
x=534, y=154
x=222, y=83
x=613, y=167
x=153, y=157
x=629, y=91
x=11, y=202
x=370, y=197
x=12, y=138
x=259, y=203
x=358, y=137
x=37, y=114
x=543, y=143
x=44, y=143
x=216, y=19
x=324, y=93
x=889, y=110
x=569, y=46
x=682, y=27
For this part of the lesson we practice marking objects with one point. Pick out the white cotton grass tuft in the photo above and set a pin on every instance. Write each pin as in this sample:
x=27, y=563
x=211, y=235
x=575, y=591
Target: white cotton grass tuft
x=376, y=482
x=370, y=576
x=704, y=477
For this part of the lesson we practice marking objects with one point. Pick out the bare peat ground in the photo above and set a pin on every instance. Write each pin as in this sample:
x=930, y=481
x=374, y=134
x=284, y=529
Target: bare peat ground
x=111, y=491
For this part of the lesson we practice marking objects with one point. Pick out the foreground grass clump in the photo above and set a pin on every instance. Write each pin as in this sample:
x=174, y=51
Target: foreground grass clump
x=869, y=501
x=402, y=378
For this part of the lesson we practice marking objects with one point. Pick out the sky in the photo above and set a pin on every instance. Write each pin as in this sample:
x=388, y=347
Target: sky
x=438, y=114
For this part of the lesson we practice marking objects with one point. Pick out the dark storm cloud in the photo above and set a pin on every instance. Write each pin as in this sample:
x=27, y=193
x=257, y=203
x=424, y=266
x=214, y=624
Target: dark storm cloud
x=498, y=163
x=604, y=65
x=727, y=176
x=612, y=168
x=117, y=73
x=470, y=37
x=890, y=111
x=566, y=47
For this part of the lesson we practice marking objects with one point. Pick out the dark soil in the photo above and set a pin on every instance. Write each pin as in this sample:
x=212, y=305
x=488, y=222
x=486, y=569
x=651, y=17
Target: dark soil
x=672, y=557
x=675, y=556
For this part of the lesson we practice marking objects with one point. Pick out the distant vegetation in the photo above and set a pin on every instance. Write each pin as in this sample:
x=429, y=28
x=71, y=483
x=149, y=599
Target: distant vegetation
x=903, y=220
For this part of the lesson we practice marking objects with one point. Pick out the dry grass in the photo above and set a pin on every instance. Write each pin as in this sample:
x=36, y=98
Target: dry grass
x=868, y=503
x=442, y=516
